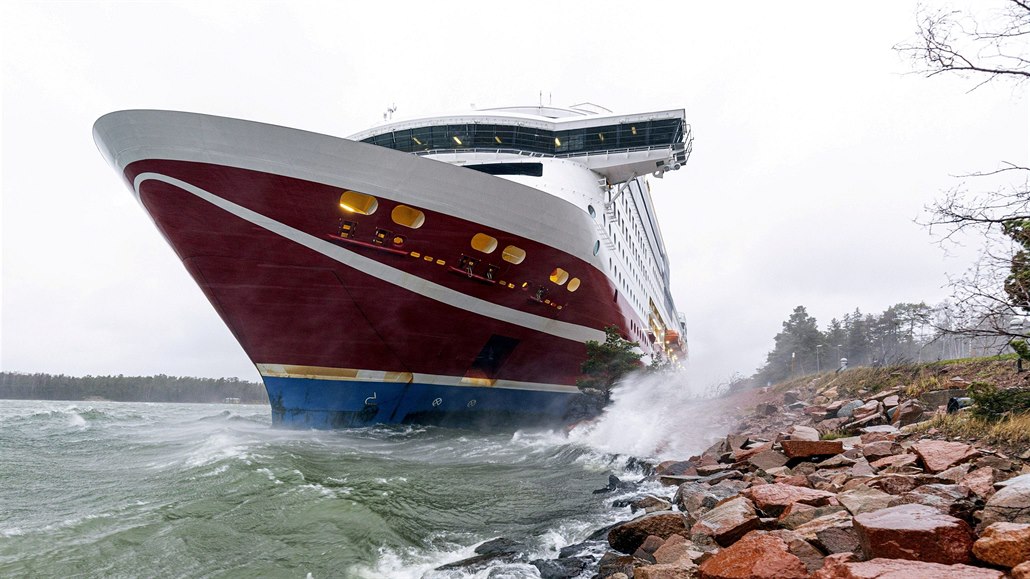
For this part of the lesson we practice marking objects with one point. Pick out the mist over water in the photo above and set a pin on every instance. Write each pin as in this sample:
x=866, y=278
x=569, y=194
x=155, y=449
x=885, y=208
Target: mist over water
x=173, y=490
x=661, y=416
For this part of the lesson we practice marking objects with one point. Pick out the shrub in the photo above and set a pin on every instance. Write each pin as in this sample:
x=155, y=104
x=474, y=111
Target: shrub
x=608, y=362
x=992, y=403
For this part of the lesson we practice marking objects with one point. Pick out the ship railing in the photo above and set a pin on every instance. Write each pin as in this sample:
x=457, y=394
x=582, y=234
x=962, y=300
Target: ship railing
x=523, y=153
x=602, y=234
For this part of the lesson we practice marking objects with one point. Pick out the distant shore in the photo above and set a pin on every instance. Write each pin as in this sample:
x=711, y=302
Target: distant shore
x=121, y=388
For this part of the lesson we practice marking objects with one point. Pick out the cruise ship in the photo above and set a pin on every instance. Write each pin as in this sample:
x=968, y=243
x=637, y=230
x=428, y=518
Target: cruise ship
x=443, y=271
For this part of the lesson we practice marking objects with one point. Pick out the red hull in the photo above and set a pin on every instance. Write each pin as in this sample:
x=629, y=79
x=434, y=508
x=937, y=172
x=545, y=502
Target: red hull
x=289, y=304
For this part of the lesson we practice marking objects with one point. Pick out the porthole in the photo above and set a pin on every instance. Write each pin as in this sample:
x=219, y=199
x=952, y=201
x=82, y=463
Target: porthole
x=559, y=276
x=483, y=242
x=597, y=246
x=358, y=203
x=590, y=210
x=513, y=254
x=573, y=284
x=408, y=216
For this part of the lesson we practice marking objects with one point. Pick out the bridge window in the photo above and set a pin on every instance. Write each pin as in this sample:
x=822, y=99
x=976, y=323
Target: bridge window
x=655, y=133
x=483, y=242
x=408, y=216
x=358, y=203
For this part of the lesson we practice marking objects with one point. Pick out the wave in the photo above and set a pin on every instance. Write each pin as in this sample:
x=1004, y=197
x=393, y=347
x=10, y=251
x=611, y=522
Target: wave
x=656, y=416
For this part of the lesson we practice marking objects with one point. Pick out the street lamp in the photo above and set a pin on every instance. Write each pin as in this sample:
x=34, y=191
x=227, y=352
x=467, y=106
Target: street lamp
x=818, y=366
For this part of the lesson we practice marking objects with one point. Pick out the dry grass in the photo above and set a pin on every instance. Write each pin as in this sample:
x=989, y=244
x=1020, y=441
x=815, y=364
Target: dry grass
x=1012, y=432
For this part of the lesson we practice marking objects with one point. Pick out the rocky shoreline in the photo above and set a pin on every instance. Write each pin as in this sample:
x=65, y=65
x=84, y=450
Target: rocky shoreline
x=808, y=486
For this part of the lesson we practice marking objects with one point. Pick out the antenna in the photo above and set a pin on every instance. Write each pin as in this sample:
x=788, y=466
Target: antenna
x=388, y=115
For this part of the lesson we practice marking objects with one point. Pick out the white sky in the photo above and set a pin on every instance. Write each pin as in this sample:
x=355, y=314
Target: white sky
x=815, y=149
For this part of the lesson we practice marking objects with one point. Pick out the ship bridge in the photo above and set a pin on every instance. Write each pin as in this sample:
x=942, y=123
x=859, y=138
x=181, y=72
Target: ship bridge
x=619, y=147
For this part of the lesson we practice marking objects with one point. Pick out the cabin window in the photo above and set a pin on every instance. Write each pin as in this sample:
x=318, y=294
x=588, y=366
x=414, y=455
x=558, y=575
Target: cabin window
x=597, y=246
x=513, y=254
x=573, y=284
x=358, y=203
x=559, y=276
x=408, y=216
x=483, y=242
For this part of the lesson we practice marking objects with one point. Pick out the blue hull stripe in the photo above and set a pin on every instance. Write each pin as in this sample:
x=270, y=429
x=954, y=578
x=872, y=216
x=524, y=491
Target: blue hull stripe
x=314, y=403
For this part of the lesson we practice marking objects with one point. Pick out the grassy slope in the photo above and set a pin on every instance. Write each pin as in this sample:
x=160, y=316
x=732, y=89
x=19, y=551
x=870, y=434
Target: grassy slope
x=1011, y=434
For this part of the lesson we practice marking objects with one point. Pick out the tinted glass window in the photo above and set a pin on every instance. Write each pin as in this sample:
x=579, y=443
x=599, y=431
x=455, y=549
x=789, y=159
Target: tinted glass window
x=635, y=135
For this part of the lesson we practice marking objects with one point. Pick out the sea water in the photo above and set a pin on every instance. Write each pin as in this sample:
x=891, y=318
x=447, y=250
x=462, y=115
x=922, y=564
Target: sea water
x=187, y=490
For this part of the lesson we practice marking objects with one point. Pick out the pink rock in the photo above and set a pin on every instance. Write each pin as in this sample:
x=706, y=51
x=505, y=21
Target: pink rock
x=866, y=409
x=1021, y=571
x=898, y=484
x=768, y=459
x=798, y=432
x=862, y=468
x=818, y=411
x=864, y=499
x=755, y=556
x=800, y=548
x=909, y=412
x=833, y=533
x=876, y=450
x=1004, y=544
x=685, y=570
x=940, y=455
x=894, y=461
x=955, y=500
x=915, y=532
x=806, y=448
x=877, y=436
x=774, y=498
x=981, y=482
x=837, y=568
x=675, y=549
x=954, y=474
x=742, y=454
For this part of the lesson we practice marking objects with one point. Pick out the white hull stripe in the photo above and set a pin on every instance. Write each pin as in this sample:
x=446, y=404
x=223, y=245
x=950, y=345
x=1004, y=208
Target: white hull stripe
x=350, y=375
x=384, y=272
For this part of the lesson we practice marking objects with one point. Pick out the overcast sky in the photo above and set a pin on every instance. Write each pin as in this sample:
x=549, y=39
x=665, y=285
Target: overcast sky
x=816, y=148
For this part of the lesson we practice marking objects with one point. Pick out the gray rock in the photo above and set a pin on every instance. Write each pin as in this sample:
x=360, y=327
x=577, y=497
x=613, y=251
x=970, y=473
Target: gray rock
x=697, y=498
x=848, y=409
x=627, y=537
x=1011, y=504
x=561, y=568
x=500, y=546
x=937, y=398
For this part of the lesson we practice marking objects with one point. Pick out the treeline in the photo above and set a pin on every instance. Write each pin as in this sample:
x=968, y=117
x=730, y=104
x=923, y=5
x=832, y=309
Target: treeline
x=160, y=388
x=902, y=333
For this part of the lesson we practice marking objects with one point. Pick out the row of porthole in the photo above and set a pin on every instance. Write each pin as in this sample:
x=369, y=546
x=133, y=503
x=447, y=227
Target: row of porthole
x=487, y=244
x=560, y=276
x=413, y=218
x=355, y=202
x=516, y=255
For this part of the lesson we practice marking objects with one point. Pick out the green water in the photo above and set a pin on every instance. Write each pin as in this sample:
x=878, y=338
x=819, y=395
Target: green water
x=177, y=490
